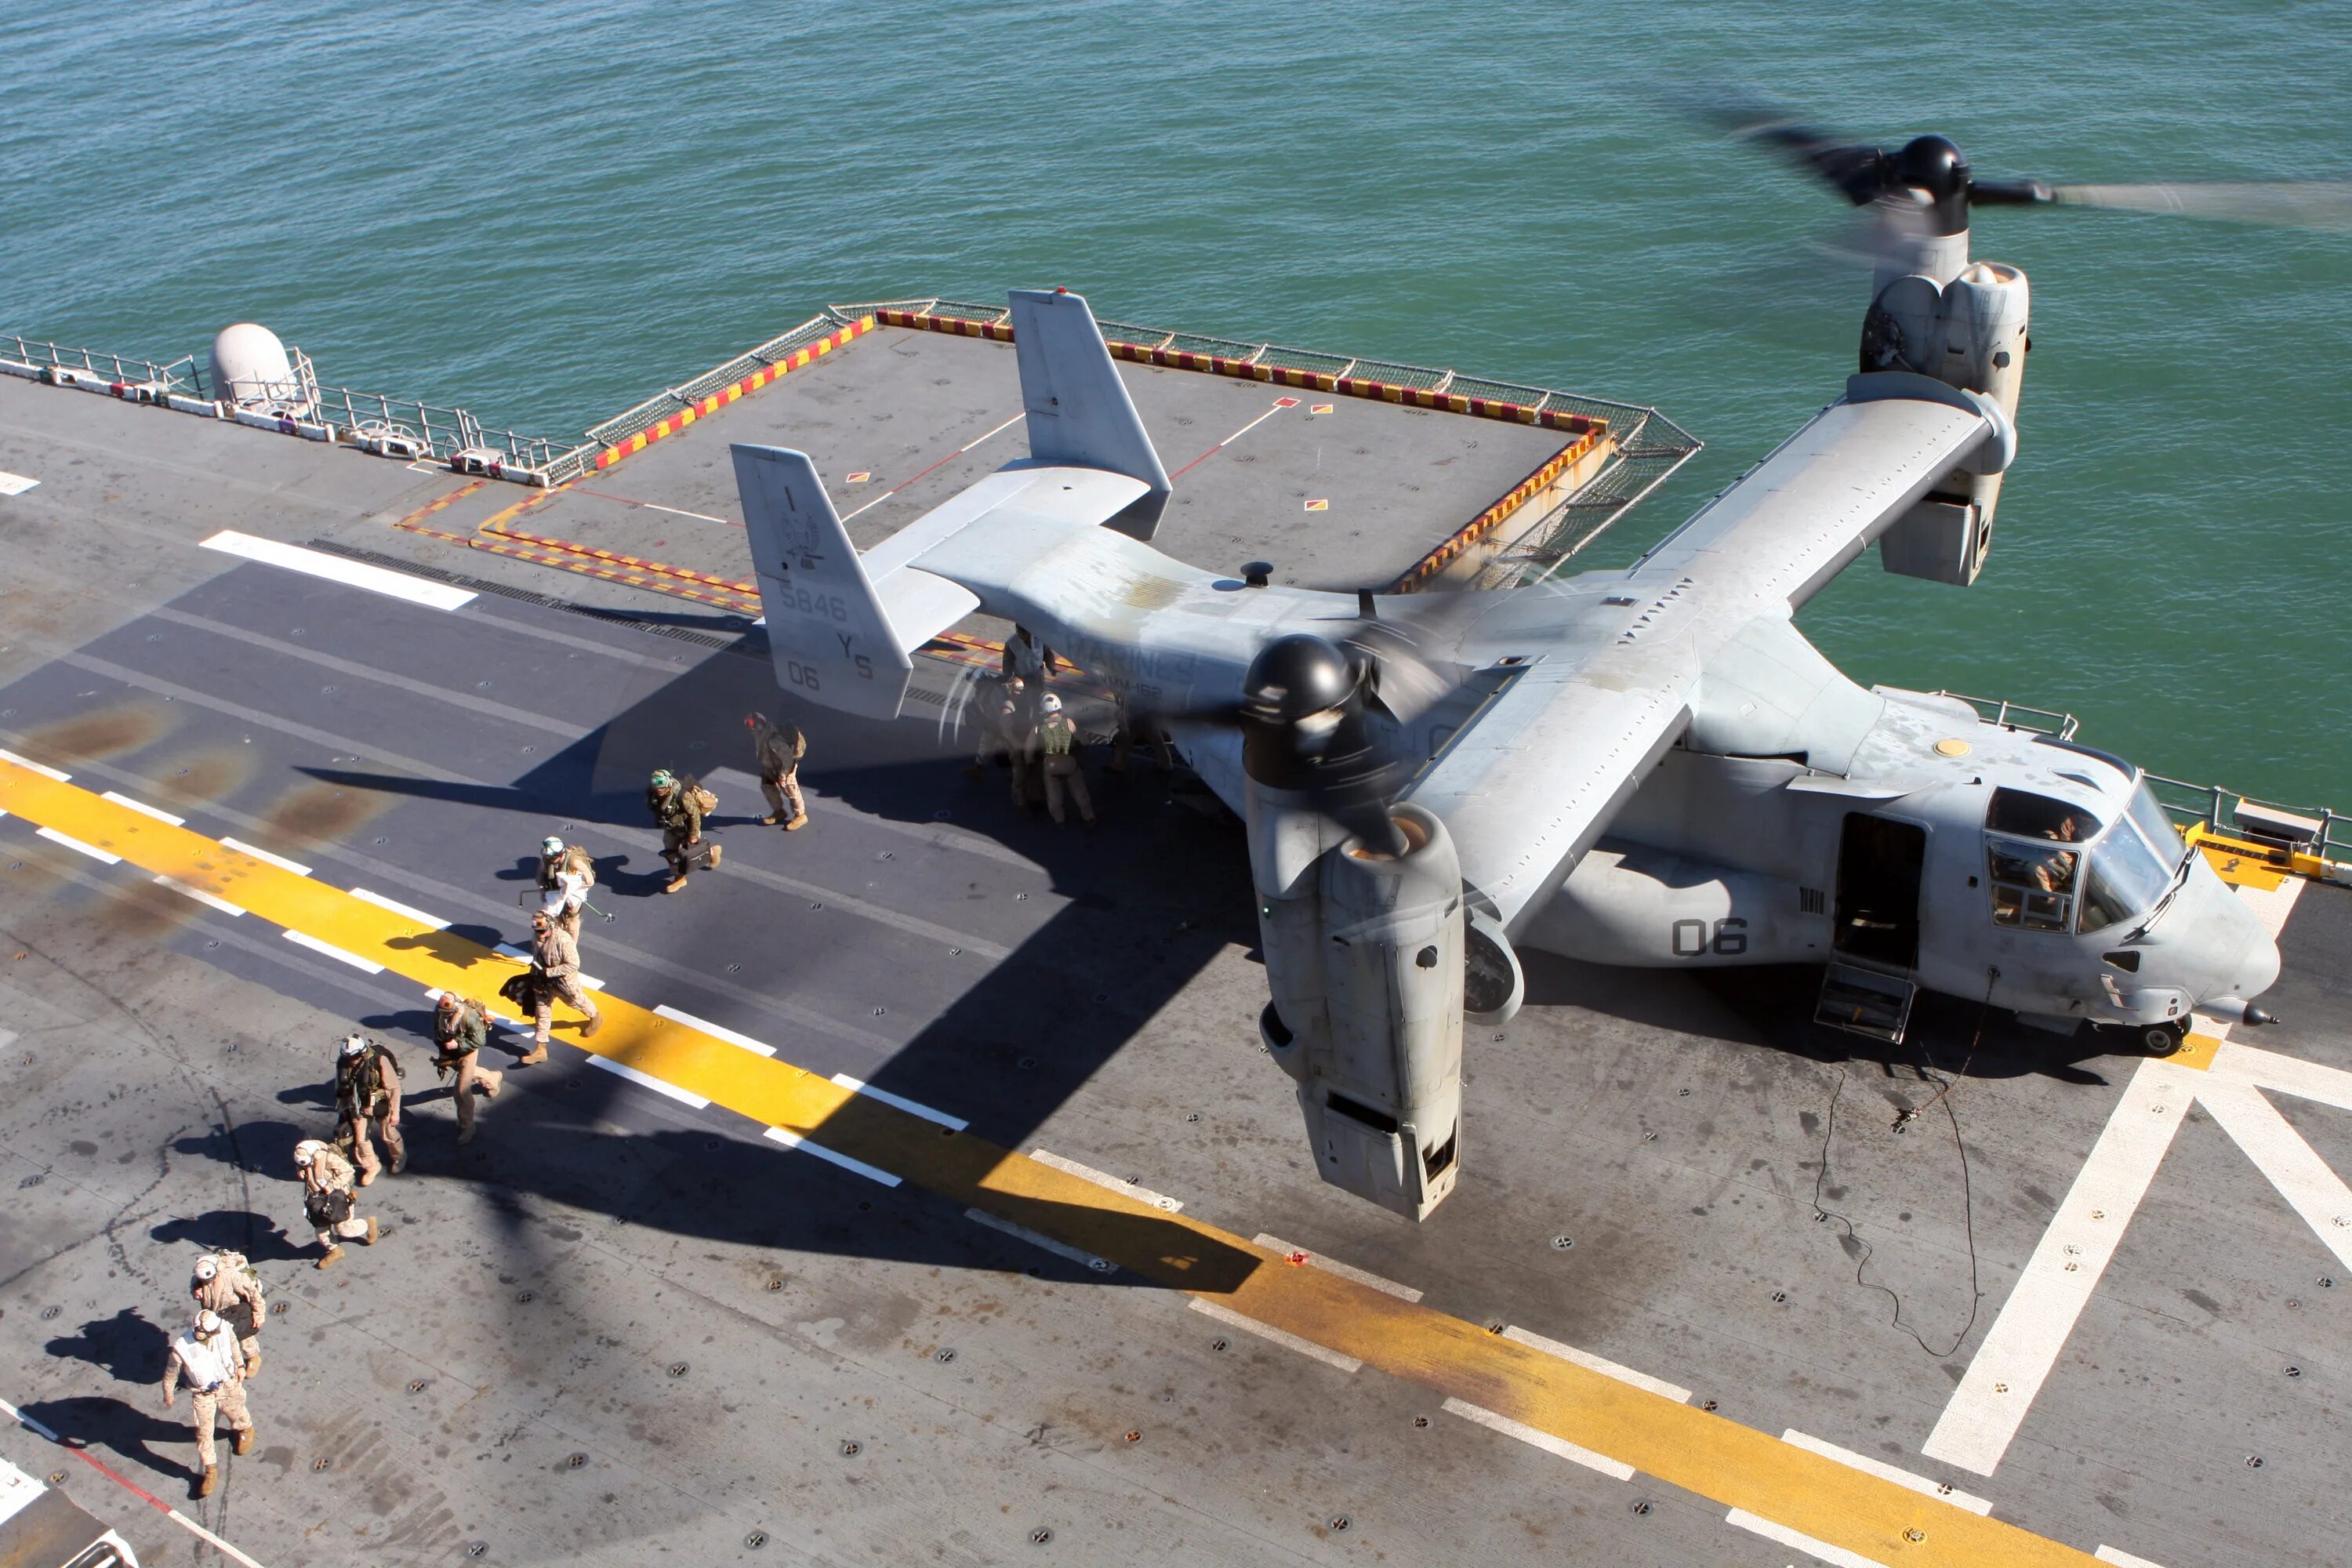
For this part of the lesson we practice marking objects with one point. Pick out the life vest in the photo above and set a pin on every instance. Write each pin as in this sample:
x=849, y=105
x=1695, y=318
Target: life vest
x=1058, y=735
x=207, y=1363
x=358, y=1080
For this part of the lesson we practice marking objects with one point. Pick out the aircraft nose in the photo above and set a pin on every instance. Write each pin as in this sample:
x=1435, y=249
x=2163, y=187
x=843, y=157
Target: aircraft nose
x=2258, y=970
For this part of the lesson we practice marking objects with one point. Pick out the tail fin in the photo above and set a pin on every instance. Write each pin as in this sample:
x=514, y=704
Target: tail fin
x=836, y=639
x=1079, y=412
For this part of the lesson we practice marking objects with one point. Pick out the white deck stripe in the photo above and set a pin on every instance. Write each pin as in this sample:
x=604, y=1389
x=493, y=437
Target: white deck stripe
x=2017, y=1354
x=1022, y=1233
x=794, y=1141
x=433, y=922
x=334, y=568
x=2122, y=1559
x=337, y=953
x=2313, y=1189
x=647, y=1081
x=158, y=812
x=1282, y=1337
x=1601, y=1364
x=2289, y=1075
x=1616, y=1470
x=912, y=1107
x=1105, y=1179
x=679, y=1016
x=92, y=851
x=242, y=847
x=14, y=484
x=1837, y=1555
x=1887, y=1472
x=1345, y=1270
x=41, y=768
x=208, y=900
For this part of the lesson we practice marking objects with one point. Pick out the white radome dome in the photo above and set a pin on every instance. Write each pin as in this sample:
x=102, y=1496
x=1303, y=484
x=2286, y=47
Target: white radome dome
x=250, y=366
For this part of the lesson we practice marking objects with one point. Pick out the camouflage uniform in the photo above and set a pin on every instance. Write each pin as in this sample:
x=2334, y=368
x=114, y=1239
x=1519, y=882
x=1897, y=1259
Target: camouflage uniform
x=779, y=749
x=329, y=1202
x=210, y=1366
x=679, y=816
x=367, y=1098
x=1016, y=736
x=236, y=1295
x=1058, y=744
x=565, y=879
x=555, y=977
x=460, y=1033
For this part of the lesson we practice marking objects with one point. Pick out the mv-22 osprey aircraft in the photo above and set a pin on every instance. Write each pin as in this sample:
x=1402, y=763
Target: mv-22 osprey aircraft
x=1649, y=766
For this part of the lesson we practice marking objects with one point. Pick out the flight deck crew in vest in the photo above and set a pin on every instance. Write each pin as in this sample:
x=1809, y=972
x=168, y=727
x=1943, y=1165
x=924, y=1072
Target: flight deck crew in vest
x=565, y=875
x=1057, y=745
x=1029, y=660
x=779, y=749
x=679, y=816
x=555, y=977
x=367, y=1098
x=460, y=1029
x=205, y=1354
x=226, y=1285
x=329, y=1200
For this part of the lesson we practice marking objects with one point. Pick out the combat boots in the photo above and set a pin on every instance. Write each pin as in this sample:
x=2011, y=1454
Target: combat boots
x=212, y=1479
x=713, y=862
x=241, y=1443
x=591, y=1026
x=329, y=1257
x=533, y=1057
x=464, y=1134
x=797, y=823
x=374, y=1230
x=678, y=884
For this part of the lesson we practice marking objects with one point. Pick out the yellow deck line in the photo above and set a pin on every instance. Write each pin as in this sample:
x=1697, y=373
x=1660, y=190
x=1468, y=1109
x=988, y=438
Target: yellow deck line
x=1711, y=1455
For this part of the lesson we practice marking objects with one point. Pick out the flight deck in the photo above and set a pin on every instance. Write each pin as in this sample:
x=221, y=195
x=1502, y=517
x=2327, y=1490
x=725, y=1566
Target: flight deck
x=928, y=1195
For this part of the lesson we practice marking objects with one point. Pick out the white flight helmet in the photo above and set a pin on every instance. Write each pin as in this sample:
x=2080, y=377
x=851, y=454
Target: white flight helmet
x=208, y=1324
x=306, y=1150
x=353, y=1044
x=1050, y=703
x=207, y=1266
x=550, y=846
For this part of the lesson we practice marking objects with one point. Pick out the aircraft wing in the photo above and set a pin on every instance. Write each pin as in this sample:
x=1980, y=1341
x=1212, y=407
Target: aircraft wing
x=1799, y=518
x=1536, y=774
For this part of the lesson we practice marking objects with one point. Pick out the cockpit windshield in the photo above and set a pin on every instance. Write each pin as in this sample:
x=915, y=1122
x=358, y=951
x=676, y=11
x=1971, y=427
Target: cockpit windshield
x=2155, y=826
x=2127, y=877
x=2035, y=874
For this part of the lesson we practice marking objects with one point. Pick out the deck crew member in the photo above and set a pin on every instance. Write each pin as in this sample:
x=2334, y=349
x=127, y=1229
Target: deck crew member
x=1015, y=722
x=565, y=875
x=779, y=749
x=1133, y=728
x=1057, y=748
x=677, y=810
x=329, y=1200
x=204, y=1354
x=461, y=1027
x=367, y=1100
x=1030, y=660
x=555, y=977
x=224, y=1282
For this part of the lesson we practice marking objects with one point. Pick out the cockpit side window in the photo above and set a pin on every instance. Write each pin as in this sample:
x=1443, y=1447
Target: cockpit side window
x=2154, y=822
x=2033, y=876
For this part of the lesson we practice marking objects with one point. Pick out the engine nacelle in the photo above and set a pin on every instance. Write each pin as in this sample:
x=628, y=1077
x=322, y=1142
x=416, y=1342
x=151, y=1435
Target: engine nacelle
x=1969, y=332
x=1365, y=956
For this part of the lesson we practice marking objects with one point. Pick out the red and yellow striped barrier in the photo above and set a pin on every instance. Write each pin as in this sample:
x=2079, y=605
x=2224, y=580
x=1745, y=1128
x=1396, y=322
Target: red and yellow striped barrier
x=727, y=395
x=1485, y=522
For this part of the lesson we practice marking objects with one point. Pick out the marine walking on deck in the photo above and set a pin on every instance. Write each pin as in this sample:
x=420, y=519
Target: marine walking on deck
x=367, y=1100
x=224, y=1282
x=461, y=1027
x=555, y=977
x=678, y=805
x=205, y=1356
x=778, y=749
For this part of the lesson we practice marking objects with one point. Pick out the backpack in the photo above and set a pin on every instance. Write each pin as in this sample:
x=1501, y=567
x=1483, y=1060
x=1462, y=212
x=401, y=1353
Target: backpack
x=704, y=800
x=246, y=1315
x=576, y=861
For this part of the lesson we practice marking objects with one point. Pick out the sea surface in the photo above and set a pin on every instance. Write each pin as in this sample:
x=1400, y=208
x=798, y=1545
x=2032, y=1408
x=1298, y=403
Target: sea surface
x=545, y=212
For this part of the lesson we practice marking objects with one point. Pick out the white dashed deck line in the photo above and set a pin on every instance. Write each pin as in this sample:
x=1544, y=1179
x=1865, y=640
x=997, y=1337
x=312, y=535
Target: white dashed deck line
x=280, y=861
x=2310, y=1186
x=679, y=1016
x=1837, y=1556
x=300, y=939
x=647, y=1081
x=1282, y=1337
x=912, y=1107
x=1615, y=1469
x=1331, y=1265
x=14, y=484
x=2122, y=1559
x=1887, y=1472
x=1160, y=1201
x=335, y=569
x=92, y=851
x=431, y=922
x=1045, y=1243
x=1601, y=1364
x=210, y=900
x=157, y=812
x=42, y=769
x=858, y=1167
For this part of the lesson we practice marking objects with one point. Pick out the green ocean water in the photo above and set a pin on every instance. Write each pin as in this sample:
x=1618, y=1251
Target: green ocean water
x=545, y=212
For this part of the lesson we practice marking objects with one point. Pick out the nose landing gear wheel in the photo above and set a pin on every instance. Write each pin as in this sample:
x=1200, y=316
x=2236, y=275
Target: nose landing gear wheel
x=2163, y=1040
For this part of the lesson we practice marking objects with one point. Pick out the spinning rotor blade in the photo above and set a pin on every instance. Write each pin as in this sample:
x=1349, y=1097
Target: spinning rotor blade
x=2278, y=204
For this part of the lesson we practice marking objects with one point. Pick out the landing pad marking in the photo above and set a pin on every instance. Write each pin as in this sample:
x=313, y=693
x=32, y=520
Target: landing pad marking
x=1544, y=1440
x=92, y=851
x=41, y=768
x=14, y=484
x=792, y=1140
x=1282, y=1337
x=1039, y=1239
x=157, y=812
x=242, y=847
x=2122, y=1559
x=647, y=1081
x=911, y=1107
x=1130, y=1189
x=1886, y=1471
x=1837, y=1556
x=1345, y=1270
x=303, y=938
x=334, y=568
x=717, y=1032
x=430, y=922
x=1712, y=1456
x=209, y=901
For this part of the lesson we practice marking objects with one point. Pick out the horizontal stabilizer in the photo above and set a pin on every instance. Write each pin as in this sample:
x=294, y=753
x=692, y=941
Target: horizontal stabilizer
x=1079, y=413
x=832, y=638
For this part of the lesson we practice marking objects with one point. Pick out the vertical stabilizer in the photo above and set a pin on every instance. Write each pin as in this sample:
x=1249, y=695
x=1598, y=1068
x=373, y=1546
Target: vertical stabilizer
x=831, y=639
x=1079, y=412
